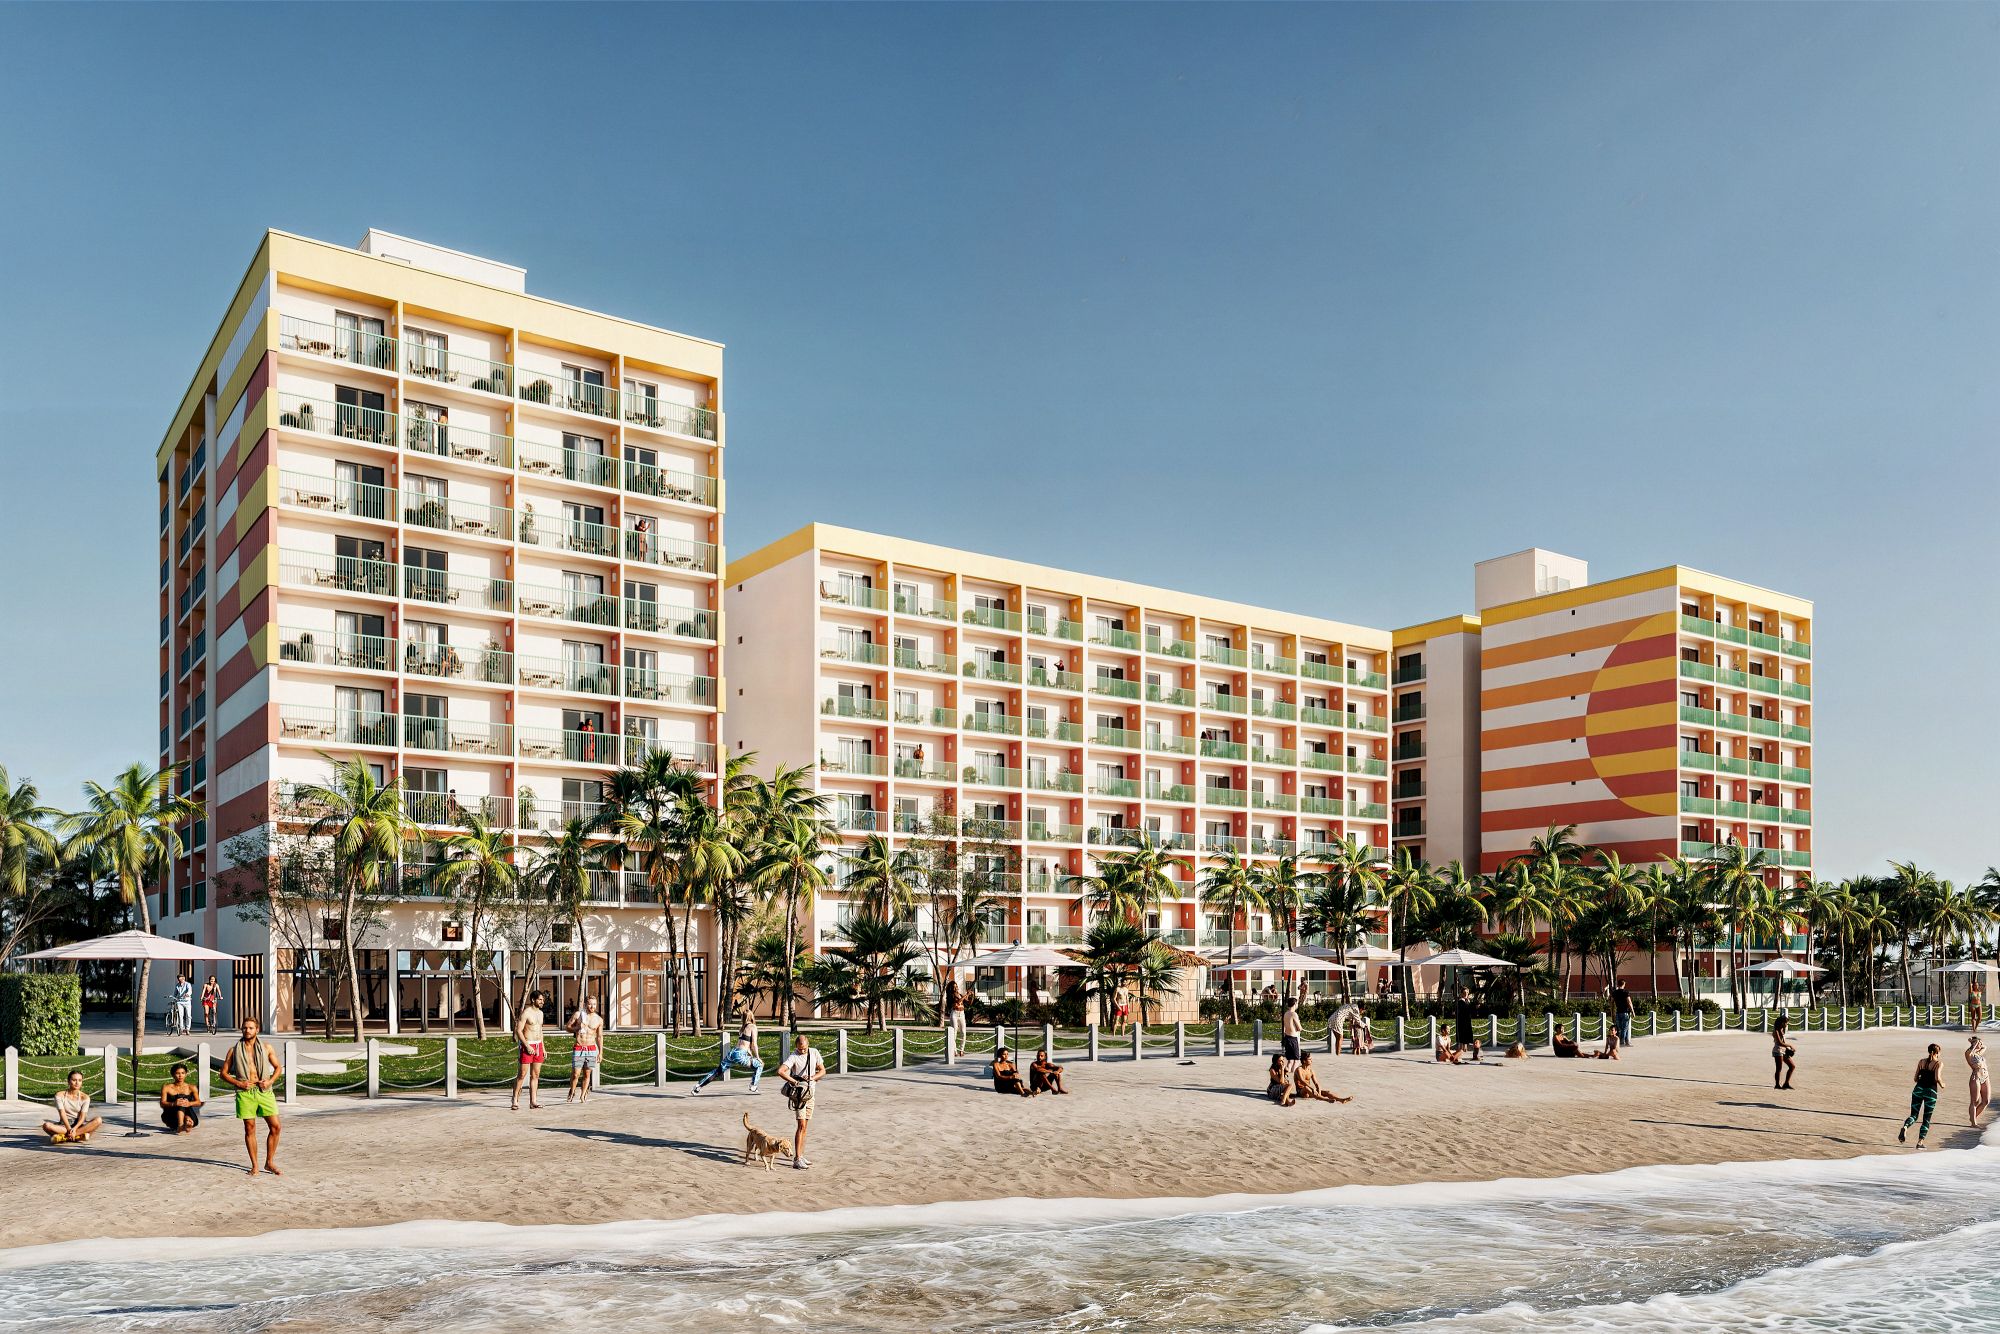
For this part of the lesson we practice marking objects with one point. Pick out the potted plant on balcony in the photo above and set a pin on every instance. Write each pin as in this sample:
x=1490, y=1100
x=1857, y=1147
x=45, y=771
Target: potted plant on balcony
x=541, y=391
x=525, y=802
x=527, y=523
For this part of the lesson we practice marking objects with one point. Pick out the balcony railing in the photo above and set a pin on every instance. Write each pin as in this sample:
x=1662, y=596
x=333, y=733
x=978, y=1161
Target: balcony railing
x=1319, y=671
x=467, y=518
x=342, y=574
x=356, y=346
x=924, y=771
x=1037, y=831
x=1171, y=648
x=341, y=727
x=993, y=618
x=329, y=495
x=1273, y=755
x=997, y=724
x=1174, y=696
x=439, y=365
x=593, y=468
x=922, y=604
x=1042, y=780
x=440, y=439
x=853, y=764
x=679, y=418
x=1178, y=792
x=436, y=586
x=1367, y=722
x=334, y=648
x=669, y=687
x=855, y=706
x=1273, y=708
x=1406, y=675
x=491, y=665
x=993, y=670
x=664, y=619
x=1225, y=796
x=912, y=660
x=595, y=399
x=647, y=479
x=1224, y=655
x=676, y=553
x=1273, y=801
x=344, y=421
x=459, y=736
x=693, y=755
x=1409, y=713
x=559, y=533
x=589, y=678
x=1113, y=688
x=1223, y=750
x=446, y=808
x=1048, y=680
x=853, y=595
x=573, y=746
x=1165, y=743
x=1121, y=639
x=854, y=650
x=990, y=775
x=579, y=606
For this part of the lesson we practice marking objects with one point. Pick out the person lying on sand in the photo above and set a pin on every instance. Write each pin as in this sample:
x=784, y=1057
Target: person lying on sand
x=1307, y=1083
x=1563, y=1044
x=1279, y=1089
x=1044, y=1075
x=1517, y=1052
x=1007, y=1075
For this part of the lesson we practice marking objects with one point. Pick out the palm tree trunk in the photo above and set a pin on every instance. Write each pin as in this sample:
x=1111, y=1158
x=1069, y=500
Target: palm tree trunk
x=787, y=1011
x=674, y=963
x=472, y=970
x=687, y=940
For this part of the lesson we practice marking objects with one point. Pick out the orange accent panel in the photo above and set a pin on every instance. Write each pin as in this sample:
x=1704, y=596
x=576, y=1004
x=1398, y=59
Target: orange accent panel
x=1579, y=812
x=1646, y=760
x=1637, y=852
x=1572, y=641
x=1626, y=675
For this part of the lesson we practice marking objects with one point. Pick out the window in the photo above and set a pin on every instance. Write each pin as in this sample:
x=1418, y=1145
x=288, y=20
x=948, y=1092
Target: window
x=425, y=352
x=1691, y=745
x=1690, y=699
x=908, y=596
x=642, y=401
x=1690, y=787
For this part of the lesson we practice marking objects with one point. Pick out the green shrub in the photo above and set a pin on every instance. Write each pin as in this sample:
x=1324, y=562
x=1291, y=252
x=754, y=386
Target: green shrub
x=41, y=1013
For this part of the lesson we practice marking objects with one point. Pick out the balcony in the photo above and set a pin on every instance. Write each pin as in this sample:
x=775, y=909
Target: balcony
x=1176, y=792
x=588, y=678
x=1113, y=688
x=854, y=765
x=1367, y=722
x=593, y=400
x=1319, y=806
x=1036, y=831
x=1409, y=713
x=422, y=361
x=566, y=534
x=697, y=756
x=1225, y=656
x=1173, y=696
x=646, y=479
x=945, y=719
x=1319, y=671
x=994, y=724
x=993, y=618
x=1409, y=675
x=1695, y=849
x=328, y=495
x=488, y=666
x=559, y=814
x=1367, y=811
x=1793, y=857
x=995, y=670
x=1223, y=750
x=1041, y=729
x=1171, y=648
x=1406, y=791
x=1273, y=708
x=1283, y=755
x=335, y=342
x=1367, y=680
x=680, y=418
x=857, y=651
x=858, y=820
x=1321, y=717
x=1272, y=801
x=1213, y=795
x=922, y=604
x=449, y=809
x=844, y=594
x=991, y=830
x=1047, y=680
x=465, y=518
x=1223, y=702
x=1407, y=829
x=1166, y=743
x=1118, y=639
x=855, y=706
x=1278, y=663
x=578, y=606
x=340, y=727
x=440, y=439
x=1042, y=780
x=1122, y=788
x=457, y=736
x=572, y=465
x=924, y=771
x=571, y=746
x=332, y=648
x=990, y=775
x=1119, y=737
x=911, y=660
x=685, y=622
x=340, y=574
x=673, y=552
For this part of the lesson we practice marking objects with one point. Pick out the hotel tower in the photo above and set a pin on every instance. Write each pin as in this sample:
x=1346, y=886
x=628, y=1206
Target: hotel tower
x=414, y=516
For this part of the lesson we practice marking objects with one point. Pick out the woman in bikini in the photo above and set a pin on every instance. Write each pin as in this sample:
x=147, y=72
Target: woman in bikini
x=1007, y=1075
x=1980, y=1091
x=1279, y=1089
x=1923, y=1098
x=1782, y=1052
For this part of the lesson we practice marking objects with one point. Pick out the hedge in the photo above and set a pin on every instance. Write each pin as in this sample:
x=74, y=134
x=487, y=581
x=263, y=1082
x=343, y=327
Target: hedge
x=41, y=1013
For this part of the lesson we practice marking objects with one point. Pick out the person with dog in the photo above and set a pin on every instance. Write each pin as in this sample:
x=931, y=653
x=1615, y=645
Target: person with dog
x=586, y=1029
x=73, y=1124
x=801, y=1073
x=1306, y=1083
x=742, y=1056
x=251, y=1068
x=1044, y=1075
x=180, y=1103
x=532, y=1052
x=1007, y=1075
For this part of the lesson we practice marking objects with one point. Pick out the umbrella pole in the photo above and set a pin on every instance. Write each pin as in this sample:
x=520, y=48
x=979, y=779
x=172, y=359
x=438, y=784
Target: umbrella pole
x=138, y=1000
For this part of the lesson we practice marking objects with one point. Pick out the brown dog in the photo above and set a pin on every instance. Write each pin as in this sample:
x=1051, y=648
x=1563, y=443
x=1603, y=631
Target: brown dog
x=757, y=1144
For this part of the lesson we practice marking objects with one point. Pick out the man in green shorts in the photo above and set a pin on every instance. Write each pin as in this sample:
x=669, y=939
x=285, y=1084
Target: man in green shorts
x=252, y=1067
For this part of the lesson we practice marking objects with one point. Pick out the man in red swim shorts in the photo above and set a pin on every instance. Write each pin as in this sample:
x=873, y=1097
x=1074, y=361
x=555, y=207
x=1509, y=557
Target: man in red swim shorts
x=528, y=1037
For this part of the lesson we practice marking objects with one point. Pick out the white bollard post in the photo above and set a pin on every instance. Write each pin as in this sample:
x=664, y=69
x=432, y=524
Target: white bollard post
x=1677, y=1021
x=451, y=1067
x=291, y=1072
x=1492, y=1030
x=1049, y=1039
x=723, y=1042
x=1180, y=1040
x=1256, y=1037
x=10, y=1077
x=659, y=1060
x=374, y=1068
x=840, y=1049
x=896, y=1047
x=1401, y=1037
x=950, y=1045
x=999, y=1037
x=1138, y=1042
x=1093, y=1044
x=201, y=1059
x=110, y=1056
x=1220, y=1040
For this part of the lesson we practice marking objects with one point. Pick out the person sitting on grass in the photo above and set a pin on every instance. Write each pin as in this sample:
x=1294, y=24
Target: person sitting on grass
x=1007, y=1075
x=1279, y=1088
x=1307, y=1083
x=73, y=1124
x=1563, y=1044
x=1045, y=1075
x=180, y=1103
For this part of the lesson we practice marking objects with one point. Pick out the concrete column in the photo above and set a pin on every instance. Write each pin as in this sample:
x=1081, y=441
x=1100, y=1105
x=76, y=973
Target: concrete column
x=451, y=1067
x=1049, y=1039
x=291, y=1071
x=723, y=1043
x=505, y=972
x=374, y=1066
x=1256, y=1037
x=1221, y=1049
x=1180, y=1041
x=1093, y=1044
x=1402, y=1036
x=1138, y=1042
x=950, y=1045
x=395, y=994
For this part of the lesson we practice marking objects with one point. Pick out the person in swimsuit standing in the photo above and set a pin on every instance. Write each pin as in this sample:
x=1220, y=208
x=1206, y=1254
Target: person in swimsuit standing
x=1782, y=1052
x=211, y=996
x=528, y=1037
x=1923, y=1098
x=1981, y=1092
x=586, y=1027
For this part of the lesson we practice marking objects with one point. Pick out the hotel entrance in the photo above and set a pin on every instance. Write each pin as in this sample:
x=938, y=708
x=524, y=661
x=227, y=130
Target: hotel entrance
x=646, y=996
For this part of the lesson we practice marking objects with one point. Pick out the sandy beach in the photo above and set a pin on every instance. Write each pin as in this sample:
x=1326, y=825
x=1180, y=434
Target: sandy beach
x=1157, y=1128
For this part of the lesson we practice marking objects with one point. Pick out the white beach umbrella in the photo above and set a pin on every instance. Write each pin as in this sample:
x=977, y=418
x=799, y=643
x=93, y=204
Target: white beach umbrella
x=1460, y=959
x=1966, y=966
x=133, y=945
x=1781, y=968
x=1280, y=961
x=1021, y=956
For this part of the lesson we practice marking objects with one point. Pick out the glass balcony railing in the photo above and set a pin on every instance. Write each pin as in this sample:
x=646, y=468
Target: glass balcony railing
x=1070, y=630
x=648, y=479
x=457, y=736
x=922, y=604
x=1319, y=671
x=993, y=618
x=844, y=594
x=1367, y=811
x=990, y=775
x=1280, y=709
x=334, y=648
x=1112, y=638
x=332, y=495
x=1223, y=750
x=589, y=678
x=860, y=651
x=1224, y=655
x=1043, y=780
x=855, y=706
x=1273, y=662
x=591, y=467
x=341, y=727
x=1407, y=791
x=1123, y=788
x=1367, y=680
x=340, y=574
x=1409, y=713
x=853, y=764
x=1407, y=675
x=1225, y=796
x=1174, y=792
x=1366, y=722
x=1166, y=743
x=994, y=670
x=1273, y=755
x=666, y=619
x=698, y=756
x=1037, y=831
x=1226, y=703
x=1122, y=738
x=1173, y=696
x=337, y=342
x=1113, y=688
x=1172, y=648
x=491, y=665
x=928, y=771
x=673, y=552
x=579, y=606
x=996, y=724
x=1273, y=801
x=669, y=687
x=1319, y=806
x=573, y=746
x=466, y=518
x=436, y=586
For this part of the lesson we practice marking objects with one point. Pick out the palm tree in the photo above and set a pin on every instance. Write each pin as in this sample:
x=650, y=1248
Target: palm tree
x=1113, y=949
x=708, y=863
x=647, y=806
x=1736, y=874
x=1338, y=911
x=1405, y=890
x=128, y=830
x=1987, y=892
x=1281, y=887
x=477, y=871
x=882, y=878
x=25, y=832
x=873, y=973
x=1230, y=887
x=792, y=862
x=1624, y=888
x=563, y=868
x=1155, y=973
x=1912, y=899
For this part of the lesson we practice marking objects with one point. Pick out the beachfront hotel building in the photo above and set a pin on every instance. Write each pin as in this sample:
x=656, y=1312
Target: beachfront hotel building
x=413, y=515
x=1053, y=716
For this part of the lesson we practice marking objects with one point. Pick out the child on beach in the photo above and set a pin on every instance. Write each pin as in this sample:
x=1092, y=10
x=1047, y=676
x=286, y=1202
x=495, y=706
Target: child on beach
x=528, y=1039
x=1976, y=1086
x=1923, y=1098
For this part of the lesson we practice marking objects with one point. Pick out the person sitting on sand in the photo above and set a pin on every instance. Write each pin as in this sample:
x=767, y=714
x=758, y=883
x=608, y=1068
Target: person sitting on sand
x=1007, y=1075
x=1279, y=1089
x=1307, y=1083
x=1044, y=1075
x=73, y=1124
x=1609, y=1052
x=1563, y=1044
x=1442, y=1050
x=180, y=1103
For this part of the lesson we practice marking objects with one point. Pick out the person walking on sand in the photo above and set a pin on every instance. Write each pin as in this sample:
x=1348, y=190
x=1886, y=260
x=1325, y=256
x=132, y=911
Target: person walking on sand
x=532, y=1052
x=1923, y=1098
x=1782, y=1053
x=742, y=1055
x=954, y=1008
x=586, y=1030
x=1463, y=1034
x=251, y=1068
x=801, y=1073
x=1977, y=1087
x=1621, y=1010
x=1289, y=1031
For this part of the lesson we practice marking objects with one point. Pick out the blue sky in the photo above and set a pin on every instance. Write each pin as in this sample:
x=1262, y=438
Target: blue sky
x=1312, y=306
